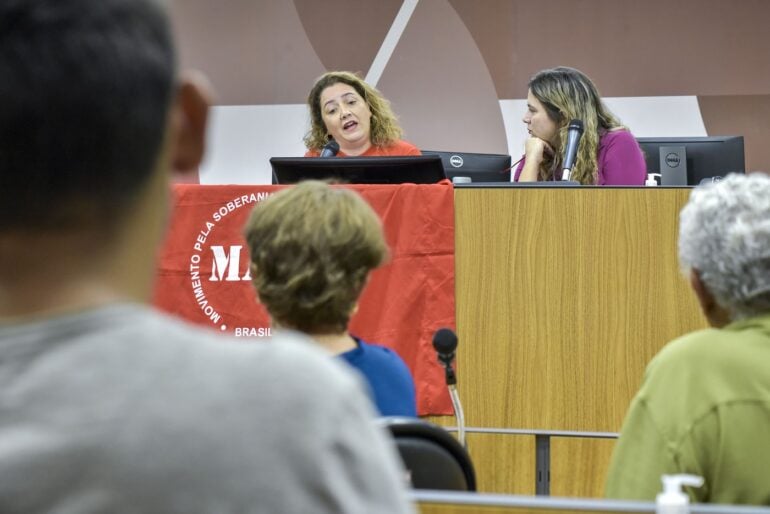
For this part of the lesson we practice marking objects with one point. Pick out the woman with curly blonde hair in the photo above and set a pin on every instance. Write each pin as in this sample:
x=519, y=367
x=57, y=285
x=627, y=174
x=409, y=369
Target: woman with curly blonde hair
x=608, y=153
x=347, y=110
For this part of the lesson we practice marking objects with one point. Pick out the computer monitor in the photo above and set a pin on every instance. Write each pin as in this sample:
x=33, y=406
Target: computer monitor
x=480, y=167
x=359, y=170
x=703, y=158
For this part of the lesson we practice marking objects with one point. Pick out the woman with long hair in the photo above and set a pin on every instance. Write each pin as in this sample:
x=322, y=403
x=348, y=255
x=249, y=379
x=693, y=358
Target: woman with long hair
x=608, y=153
x=345, y=109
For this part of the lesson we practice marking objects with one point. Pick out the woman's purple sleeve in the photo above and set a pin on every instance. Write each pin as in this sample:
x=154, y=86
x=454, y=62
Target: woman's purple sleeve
x=620, y=159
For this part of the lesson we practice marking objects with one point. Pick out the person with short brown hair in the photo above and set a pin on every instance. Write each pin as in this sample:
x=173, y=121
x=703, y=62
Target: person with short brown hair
x=313, y=247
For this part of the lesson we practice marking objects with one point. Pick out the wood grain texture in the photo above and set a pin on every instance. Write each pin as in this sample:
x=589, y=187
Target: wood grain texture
x=506, y=463
x=563, y=296
x=579, y=466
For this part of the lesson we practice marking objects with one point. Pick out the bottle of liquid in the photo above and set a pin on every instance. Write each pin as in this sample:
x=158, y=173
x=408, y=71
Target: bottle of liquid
x=673, y=500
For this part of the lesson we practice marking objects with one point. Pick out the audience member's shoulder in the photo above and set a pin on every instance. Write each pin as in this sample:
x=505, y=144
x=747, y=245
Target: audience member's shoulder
x=162, y=334
x=286, y=362
x=758, y=326
x=686, y=346
x=704, y=350
x=382, y=352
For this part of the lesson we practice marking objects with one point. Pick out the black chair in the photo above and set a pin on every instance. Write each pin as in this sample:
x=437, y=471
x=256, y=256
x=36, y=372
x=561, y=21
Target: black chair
x=433, y=458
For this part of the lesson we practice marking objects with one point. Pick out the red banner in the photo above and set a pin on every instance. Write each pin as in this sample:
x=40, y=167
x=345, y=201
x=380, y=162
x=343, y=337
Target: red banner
x=203, y=272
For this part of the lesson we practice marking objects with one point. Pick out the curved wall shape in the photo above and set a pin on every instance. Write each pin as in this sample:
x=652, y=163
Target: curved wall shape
x=346, y=34
x=629, y=48
x=440, y=87
x=254, y=52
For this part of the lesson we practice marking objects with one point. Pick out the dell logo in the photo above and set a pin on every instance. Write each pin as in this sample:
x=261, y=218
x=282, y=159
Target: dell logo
x=456, y=161
x=672, y=160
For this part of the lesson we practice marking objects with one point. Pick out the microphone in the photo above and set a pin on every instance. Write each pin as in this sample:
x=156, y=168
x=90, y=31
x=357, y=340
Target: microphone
x=574, y=133
x=330, y=149
x=445, y=344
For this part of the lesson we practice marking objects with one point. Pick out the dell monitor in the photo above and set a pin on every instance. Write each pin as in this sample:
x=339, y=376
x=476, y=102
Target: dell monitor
x=683, y=161
x=359, y=170
x=479, y=167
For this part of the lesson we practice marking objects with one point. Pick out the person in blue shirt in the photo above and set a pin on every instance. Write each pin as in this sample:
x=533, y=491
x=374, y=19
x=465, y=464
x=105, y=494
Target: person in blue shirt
x=312, y=248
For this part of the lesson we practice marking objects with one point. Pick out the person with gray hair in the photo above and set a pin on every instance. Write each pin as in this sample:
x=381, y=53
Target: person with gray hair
x=704, y=405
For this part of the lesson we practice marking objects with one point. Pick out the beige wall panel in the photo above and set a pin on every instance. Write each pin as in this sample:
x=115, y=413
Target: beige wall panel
x=255, y=52
x=630, y=48
x=347, y=34
x=743, y=115
x=440, y=87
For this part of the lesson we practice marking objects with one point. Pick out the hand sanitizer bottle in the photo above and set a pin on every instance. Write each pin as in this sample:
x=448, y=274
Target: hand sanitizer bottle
x=673, y=500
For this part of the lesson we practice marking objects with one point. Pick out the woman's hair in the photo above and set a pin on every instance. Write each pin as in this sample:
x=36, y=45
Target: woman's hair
x=312, y=248
x=384, y=127
x=724, y=234
x=568, y=94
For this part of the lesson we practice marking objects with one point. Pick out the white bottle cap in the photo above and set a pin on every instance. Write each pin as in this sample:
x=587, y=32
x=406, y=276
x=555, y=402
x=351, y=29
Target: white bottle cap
x=672, y=495
x=651, y=179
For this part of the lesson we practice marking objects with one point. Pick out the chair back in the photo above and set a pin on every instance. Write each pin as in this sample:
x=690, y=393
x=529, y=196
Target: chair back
x=433, y=458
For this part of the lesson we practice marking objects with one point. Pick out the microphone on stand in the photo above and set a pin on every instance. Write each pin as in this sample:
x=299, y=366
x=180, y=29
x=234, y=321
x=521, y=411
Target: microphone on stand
x=330, y=149
x=445, y=344
x=574, y=133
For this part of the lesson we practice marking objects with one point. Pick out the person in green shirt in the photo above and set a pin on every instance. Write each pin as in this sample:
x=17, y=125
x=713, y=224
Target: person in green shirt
x=704, y=404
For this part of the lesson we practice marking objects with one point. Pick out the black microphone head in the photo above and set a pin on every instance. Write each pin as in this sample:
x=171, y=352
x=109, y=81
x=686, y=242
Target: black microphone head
x=576, y=125
x=330, y=149
x=574, y=133
x=445, y=341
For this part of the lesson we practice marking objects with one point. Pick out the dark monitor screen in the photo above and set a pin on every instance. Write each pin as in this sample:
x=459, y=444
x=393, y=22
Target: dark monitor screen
x=480, y=167
x=705, y=157
x=359, y=170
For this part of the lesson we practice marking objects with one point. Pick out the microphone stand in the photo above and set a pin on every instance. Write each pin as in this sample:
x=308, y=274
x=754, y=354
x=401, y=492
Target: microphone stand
x=451, y=382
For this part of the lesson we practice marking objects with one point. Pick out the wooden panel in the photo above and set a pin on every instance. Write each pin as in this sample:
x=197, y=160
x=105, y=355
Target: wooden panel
x=563, y=296
x=579, y=466
x=504, y=463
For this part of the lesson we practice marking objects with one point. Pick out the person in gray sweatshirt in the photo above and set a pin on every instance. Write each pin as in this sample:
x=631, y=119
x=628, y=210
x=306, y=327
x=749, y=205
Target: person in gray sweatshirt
x=106, y=405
